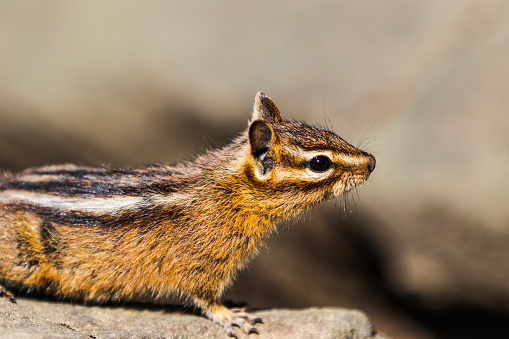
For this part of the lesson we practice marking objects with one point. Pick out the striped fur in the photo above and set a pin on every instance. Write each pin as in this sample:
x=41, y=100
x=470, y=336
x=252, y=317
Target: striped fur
x=119, y=234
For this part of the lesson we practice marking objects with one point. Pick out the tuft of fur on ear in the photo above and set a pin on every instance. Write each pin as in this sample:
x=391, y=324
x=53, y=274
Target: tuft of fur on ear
x=265, y=109
x=261, y=139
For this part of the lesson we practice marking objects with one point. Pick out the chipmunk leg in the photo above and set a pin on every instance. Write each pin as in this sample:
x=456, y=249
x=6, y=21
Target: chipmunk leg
x=228, y=318
x=4, y=292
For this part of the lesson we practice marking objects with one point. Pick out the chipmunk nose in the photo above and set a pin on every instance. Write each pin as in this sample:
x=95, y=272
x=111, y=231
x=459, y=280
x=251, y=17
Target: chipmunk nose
x=371, y=163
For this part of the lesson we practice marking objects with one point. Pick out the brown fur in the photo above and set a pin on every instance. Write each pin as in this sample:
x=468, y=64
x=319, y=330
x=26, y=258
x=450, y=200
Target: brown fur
x=188, y=229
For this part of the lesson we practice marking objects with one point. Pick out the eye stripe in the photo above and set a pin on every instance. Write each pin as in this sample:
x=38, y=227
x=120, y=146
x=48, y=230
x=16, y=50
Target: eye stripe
x=308, y=154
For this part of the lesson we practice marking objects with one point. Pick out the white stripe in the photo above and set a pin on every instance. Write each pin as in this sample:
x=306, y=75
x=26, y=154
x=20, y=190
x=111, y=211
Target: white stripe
x=92, y=205
x=43, y=178
x=353, y=160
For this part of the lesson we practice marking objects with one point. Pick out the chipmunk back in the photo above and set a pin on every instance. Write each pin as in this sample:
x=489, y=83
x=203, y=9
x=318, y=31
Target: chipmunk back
x=101, y=234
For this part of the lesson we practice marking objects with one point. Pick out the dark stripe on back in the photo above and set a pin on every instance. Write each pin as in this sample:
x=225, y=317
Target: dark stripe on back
x=142, y=218
x=71, y=188
x=93, y=183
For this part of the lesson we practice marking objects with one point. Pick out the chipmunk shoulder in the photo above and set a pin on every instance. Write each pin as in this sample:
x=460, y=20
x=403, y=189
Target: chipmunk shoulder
x=106, y=234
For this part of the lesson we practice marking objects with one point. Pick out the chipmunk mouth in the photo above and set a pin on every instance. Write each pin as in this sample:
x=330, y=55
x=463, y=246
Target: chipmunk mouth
x=347, y=184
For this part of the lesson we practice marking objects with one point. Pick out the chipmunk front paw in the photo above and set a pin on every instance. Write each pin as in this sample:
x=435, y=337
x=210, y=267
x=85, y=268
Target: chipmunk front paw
x=4, y=292
x=232, y=318
x=241, y=319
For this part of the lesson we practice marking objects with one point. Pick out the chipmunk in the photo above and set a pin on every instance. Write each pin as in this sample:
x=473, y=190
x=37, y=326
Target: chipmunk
x=108, y=234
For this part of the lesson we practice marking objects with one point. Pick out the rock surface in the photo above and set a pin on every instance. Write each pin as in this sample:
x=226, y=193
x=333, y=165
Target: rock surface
x=32, y=318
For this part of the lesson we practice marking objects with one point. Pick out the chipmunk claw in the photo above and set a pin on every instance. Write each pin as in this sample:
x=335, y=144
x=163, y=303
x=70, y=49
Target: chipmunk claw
x=230, y=318
x=6, y=294
x=243, y=321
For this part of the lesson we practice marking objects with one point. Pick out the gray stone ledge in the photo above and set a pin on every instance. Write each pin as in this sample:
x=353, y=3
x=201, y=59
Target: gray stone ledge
x=33, y=318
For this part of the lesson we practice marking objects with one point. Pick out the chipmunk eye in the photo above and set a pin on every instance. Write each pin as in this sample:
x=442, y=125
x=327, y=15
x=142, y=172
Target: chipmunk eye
x=320, y=163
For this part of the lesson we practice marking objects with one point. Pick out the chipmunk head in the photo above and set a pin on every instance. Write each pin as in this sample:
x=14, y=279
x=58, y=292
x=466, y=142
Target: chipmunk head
x=305, y=162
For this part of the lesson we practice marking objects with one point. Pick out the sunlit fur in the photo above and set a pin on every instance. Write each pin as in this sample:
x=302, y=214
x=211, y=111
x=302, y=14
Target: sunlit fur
x=120, y=234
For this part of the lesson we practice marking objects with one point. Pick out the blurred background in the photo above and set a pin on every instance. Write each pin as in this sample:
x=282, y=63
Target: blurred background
x=423, y=247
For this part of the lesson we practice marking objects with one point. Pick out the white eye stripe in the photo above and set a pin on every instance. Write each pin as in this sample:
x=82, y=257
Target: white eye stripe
x=351, y=160
x=303, y=174
x=317, y=176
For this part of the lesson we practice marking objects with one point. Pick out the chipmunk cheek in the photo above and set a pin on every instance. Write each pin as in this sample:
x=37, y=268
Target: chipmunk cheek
x=338, y=190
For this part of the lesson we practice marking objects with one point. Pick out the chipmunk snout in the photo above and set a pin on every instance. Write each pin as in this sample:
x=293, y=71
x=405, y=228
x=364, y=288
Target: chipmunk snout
x=371, y=163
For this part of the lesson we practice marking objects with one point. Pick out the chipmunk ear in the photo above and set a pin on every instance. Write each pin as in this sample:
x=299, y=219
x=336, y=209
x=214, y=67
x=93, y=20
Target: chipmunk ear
x=261, y=139
x=265, y=109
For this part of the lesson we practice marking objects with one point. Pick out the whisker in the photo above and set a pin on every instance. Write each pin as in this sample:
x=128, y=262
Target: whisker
x=361, y=140
x=365, y=136
x=358, y=196
x=368, y=144
x=328, y=122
